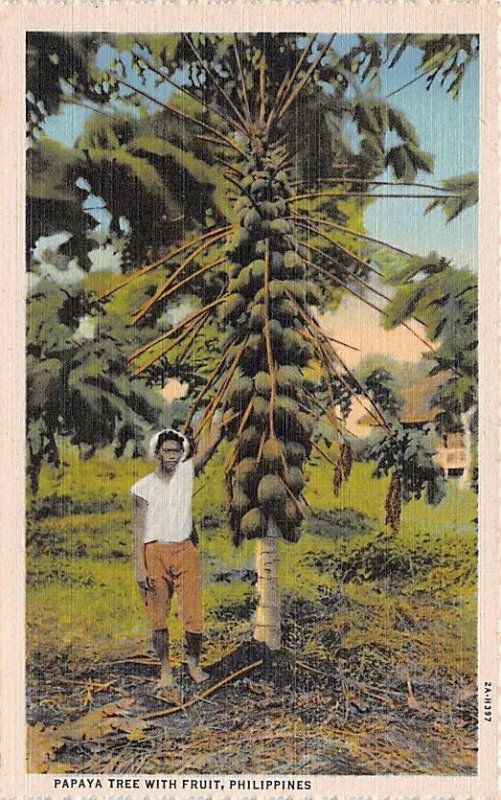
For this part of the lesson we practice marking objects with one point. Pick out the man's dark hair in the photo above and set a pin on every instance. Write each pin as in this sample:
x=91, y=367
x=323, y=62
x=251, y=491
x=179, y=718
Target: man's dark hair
x=167, y=436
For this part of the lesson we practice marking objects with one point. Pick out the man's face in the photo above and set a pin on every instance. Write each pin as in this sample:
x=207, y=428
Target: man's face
x=169, y=455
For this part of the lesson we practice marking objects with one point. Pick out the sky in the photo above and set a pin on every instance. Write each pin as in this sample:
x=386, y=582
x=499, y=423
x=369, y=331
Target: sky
x=448, y=128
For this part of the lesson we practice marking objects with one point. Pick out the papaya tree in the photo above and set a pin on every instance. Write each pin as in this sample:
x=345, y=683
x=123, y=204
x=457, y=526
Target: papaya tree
x=288, y=244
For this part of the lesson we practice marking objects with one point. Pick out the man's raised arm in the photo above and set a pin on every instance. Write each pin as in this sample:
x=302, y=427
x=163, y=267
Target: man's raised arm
x=211, y=441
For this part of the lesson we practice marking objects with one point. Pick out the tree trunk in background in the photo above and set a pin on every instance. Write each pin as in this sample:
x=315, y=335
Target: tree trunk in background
x=267, y=627
x=466, y=416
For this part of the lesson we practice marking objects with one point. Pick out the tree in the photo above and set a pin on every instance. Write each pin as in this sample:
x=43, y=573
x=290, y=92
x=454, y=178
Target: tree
x=290, y=243
x=446, y=300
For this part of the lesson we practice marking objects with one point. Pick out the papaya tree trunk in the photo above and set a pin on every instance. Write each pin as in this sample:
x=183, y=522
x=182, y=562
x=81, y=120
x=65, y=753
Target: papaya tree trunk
x=267, y=627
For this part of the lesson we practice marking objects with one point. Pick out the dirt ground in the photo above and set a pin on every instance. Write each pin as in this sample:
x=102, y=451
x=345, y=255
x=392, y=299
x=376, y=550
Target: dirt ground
x=258, y=712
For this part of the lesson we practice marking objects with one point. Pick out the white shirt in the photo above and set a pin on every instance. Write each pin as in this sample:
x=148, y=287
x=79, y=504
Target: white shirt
x=168, y=516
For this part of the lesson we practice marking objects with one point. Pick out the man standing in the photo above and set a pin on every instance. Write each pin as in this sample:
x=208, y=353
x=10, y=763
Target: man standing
x=165, y=557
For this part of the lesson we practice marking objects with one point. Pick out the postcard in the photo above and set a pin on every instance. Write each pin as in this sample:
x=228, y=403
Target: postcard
x=251, y=318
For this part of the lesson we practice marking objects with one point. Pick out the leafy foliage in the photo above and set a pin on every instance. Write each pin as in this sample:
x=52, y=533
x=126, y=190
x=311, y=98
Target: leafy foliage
x=445, y=299
x=78, y=385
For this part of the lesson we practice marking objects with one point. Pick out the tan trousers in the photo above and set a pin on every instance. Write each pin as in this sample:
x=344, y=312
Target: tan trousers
x=173, y=567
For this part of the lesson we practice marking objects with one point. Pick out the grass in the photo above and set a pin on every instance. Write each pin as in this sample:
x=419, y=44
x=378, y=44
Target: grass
x=381, y=611
x=79, y=566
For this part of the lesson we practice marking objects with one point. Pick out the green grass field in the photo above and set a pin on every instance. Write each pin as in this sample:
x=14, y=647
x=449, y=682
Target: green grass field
x=79, y=568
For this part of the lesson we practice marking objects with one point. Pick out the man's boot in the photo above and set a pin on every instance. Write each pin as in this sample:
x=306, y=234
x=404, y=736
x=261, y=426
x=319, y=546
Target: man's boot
x=193, y=643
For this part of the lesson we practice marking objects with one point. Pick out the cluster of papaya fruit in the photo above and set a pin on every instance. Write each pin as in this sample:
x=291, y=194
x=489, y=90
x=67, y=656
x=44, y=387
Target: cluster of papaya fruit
x=269, y=299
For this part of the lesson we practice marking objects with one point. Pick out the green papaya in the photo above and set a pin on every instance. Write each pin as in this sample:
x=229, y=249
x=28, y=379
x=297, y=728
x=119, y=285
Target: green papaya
x=253, y=524
x=245, y=473
x=285, y=310
x=262, y=383
x=273, y=453
x=276, y=288
x=256, y=317
x=255, y=343
x=240, y=392
x=276, y=331
x=289, y=379
x=241, y=502
x=248, y=442
x=313, y=293
x=285, y=406
x=252, y=219
x=233, y=305
x=292, y=343
x=280, y=225
x=292, y=261
x=291, y=533
x=271, y=490
x=295, y=453
x=257, y=269
x=297, y=289
x=260, y=411
x=240, y=238
x=287, y=516
x=258, y=185
x=295, y=480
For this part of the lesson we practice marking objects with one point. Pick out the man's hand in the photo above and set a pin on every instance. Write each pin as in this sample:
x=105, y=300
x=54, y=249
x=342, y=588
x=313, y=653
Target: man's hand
x=143, y=580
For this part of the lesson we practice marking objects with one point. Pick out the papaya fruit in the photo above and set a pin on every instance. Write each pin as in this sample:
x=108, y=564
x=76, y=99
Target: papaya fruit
x=262, y=383
x=251, y=219
x=253, y=524
x=245, y=474
x=295, y=453
x=240, y=238
x=271, y=490
x=273, y=452
x=260, y=410
x=285, y=409
x=233, y=305
x=292, y=344
x=256, y=317
x=241, y=502
x=292, y=261
x=297, y=290
x=258, y=185
x=291, y=533
x=313, y=293
x=289, y=379
x=280, y=225
x=285, y=310
x=248, y=442
x=276, y=288
x=240, y=391
x=276, y=331
x=295, y=480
